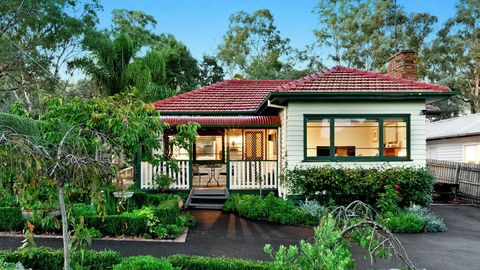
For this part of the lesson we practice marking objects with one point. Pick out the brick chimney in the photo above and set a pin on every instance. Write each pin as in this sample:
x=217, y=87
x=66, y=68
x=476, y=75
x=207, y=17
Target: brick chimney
x=403, y=65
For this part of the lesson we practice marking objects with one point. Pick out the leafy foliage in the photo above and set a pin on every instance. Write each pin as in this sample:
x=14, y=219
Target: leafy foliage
x=42, y=258
x=270, y=207
x=345, y=185
x=433, y=223
x=204, y=263
x=144, y=263
x=11, y=219
x=404, y=222
x=328, y=251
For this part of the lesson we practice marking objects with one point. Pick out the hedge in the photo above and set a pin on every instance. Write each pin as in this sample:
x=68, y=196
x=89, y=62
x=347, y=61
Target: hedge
x=141, y=199
x=167, y=212
x=344, y=185
x=185, y=262
x=272, y=208
x=11, y=219
x=21, y=125
x=144, y=263
x=118, y=225
x=42, y=258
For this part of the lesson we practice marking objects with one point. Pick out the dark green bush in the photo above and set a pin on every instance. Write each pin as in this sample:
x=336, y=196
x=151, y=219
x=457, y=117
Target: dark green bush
x=11, y=219
x=85, y=210
x=118, y=225
x=207, y=263
x=344, y=185
x=141, y=199
x=167, y=211
x=42, y=258
x=273, y=208
x=144, y=263
x=404, y=222
x=21, y=125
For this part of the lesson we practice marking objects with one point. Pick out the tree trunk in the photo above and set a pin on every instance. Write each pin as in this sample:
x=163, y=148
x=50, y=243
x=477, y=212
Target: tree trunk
x=66, y=251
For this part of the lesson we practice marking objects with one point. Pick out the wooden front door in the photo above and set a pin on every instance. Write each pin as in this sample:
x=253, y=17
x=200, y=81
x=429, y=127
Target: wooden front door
x=254, y=144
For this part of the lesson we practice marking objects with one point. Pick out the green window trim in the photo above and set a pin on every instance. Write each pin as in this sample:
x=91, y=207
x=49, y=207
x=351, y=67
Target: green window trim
x=333, y=158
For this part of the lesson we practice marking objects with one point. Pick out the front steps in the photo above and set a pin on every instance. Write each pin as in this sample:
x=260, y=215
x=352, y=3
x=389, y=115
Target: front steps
x=207, y=198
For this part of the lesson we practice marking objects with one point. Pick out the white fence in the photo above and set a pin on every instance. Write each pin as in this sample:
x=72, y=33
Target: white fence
x=248, y=174
x=182, y=176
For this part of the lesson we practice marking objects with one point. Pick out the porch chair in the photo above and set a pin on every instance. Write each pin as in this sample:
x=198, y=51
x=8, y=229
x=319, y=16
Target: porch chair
x=196, y=170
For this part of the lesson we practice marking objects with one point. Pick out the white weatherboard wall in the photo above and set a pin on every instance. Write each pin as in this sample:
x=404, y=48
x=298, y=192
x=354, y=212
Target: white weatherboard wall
x=450, y=149
x=295, y=121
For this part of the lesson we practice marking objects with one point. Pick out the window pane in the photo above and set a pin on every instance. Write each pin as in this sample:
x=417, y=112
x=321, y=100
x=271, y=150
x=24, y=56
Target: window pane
x=209, y=148
x=235, y=143
x=318, y=138
x=272, y=144
x=395, y=137
x=471, y=154
x=356, y=137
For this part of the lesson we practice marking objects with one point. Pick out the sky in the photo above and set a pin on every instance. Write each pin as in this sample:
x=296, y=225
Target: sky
x=201, y=24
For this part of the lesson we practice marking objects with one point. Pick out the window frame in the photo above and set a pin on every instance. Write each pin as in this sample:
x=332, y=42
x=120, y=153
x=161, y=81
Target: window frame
x=333, y=158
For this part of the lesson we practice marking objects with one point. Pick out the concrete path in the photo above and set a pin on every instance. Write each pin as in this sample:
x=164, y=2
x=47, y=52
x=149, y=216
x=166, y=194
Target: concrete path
x=220, y=234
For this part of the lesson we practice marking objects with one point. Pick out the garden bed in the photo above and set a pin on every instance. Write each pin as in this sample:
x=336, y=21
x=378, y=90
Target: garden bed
x=146, y=216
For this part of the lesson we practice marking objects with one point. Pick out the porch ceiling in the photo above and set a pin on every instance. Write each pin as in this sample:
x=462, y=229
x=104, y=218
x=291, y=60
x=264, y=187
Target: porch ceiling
x=232, y=121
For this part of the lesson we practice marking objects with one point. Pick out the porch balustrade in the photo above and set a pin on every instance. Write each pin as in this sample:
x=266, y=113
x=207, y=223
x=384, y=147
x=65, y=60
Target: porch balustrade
x=182, y=176
x=253, y=174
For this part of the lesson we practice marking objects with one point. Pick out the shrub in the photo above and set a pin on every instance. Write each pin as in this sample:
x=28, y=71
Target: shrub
x=433, y=223
x=144, y=263
x=315, y=209
x=118, y=225
x=19, y=124
x=85, y=210
x=207, y=263
x=272, y=208
x=167, y=211
x=403, y=222
x=344, y=185
x=11, y=266
x=141, y=199
x=11, y=219
x=48, y=259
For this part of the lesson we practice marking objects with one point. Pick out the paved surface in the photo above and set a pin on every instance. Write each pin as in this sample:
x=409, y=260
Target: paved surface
x=219, y=234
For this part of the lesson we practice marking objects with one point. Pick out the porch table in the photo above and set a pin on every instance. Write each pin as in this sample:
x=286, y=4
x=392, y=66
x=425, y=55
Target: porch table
x=213, y=168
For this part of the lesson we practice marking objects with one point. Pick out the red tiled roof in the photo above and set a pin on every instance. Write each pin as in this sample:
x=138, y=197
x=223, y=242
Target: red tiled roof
x=222, y=120
x=247, y=95
x=230, y=95
x=342, y=79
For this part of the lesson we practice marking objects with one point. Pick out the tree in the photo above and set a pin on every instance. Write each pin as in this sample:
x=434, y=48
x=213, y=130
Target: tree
x=38, y=38
x=72, y=135
x=210, y=71
x=363, y=34
x=253, y=46
x=182, y=72
x=455, y=54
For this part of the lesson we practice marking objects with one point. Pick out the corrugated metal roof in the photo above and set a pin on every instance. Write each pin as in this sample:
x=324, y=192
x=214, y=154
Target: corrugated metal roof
x=235, y=121
x=454, y=127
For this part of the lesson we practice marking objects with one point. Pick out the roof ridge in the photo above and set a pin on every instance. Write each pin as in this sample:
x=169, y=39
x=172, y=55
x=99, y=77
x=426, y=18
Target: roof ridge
x=455, y=118
x=303, y=80
x=393, y=78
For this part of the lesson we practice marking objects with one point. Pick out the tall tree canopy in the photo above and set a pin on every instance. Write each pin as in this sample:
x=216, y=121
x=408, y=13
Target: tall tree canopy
x=253, y=47
x=364, y=33
x=454, y=56
x=37, y=39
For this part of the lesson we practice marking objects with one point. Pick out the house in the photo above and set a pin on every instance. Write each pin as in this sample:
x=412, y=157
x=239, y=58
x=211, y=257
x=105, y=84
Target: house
x=455, y=139
x=253, y=130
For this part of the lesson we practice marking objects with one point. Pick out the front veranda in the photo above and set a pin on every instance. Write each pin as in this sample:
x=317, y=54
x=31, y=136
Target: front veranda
x=236, y=158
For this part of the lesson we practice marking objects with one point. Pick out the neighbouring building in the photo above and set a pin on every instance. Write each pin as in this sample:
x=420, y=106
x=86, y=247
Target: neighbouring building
x=455, y=139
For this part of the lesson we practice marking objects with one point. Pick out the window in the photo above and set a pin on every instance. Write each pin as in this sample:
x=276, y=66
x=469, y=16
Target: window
x=209, y=148
x=357, y=137
x=235, y=144
x=471, y=153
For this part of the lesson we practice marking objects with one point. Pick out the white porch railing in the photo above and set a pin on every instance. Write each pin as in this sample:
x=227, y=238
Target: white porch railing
x=182, y=177
x=247, y=174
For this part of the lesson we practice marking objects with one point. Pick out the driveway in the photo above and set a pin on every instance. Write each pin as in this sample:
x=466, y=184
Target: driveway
x=221, y=234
